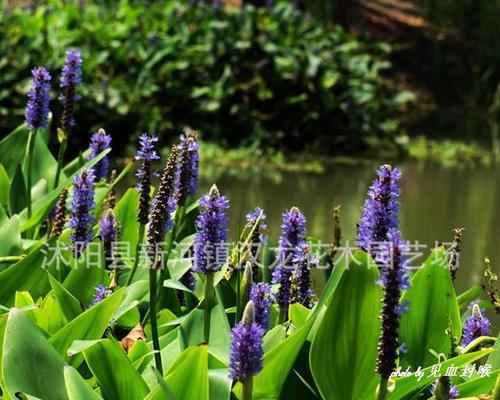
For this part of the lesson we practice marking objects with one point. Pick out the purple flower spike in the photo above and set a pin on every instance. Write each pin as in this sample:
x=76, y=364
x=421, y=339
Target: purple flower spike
x=246, y=347
x=147, y=154
x=101, y=292
x=304, y=260
x=475, y=326
x=71, y=77
x=37, y=109
x=262, y=297
x=109, y=227
x=81, y=218
x=99, y=142
x=380, y=211
x=188, y=162
x=292, y=236
x=394, y=279
x=210, y=251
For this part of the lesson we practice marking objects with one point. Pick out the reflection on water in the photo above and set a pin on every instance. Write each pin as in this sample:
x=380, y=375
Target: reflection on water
x=434, y=200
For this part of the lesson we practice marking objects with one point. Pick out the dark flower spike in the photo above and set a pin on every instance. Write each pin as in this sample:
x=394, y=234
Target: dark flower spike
x=71, y=77
x=475, y=326
x=81, y=218
x=337, y=232
x=37, y=109
x=99, y=142
x=454, y=256
x=59, y=215
x=246, y=283
x=147, y=154
x=492, y=289
x=292, y=236
x=304, y=260
x=210, y=250
x=246, y=347
x=380, y=211
x=394, y=279
x=109, y=232
x=188, y=162
x=160, y=214
x=262, y=297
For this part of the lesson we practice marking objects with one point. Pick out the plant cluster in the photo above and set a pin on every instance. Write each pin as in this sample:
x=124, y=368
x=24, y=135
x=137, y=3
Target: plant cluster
x=141, y=296
x=271, y=76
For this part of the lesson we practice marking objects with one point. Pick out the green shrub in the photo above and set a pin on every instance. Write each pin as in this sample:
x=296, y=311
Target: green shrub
x=239, y=76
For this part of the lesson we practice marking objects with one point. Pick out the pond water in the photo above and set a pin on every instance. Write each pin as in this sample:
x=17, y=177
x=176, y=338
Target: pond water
x=434, y=200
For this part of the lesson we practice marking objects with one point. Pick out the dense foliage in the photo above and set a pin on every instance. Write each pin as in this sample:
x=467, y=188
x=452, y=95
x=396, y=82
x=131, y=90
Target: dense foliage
x=239, y=76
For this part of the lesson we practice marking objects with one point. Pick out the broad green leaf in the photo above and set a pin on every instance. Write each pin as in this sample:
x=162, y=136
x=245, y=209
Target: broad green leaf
x=126, y=214
x=17, y=193
x=27, y=274
x=298, y=314
x=344, y=349
x=10, y=237
x=219, y=384
x=4, y=186
x=89, y=325
x=116, y=376
x=478, y=386
x=433, y=306
x=76, y=386
x=408, y=385
x=70, y=306
x=30, y=362
x=494, y=358
x=44, y=164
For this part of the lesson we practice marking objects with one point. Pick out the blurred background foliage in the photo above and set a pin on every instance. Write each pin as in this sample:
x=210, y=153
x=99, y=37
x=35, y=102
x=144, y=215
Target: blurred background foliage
x=275, y=77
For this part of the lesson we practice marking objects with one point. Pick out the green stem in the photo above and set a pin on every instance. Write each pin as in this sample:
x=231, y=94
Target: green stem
x=476, y=343
x=496, y=390
x=60, y=161
x=209, y=294
x=142, y=229
x=152, y=313
x=247, y=389
x=31, y=150
x=382, y=389
x=11, y=259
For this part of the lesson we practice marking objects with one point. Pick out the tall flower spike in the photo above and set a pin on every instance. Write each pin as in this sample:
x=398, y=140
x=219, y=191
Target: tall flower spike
x=492, y=289
x=262, y=297
x=99, y=142
x=454, y=257
x=81, y=218
x=381, y=208
x=188, y=161
x=304, y=260
x=147, y=154
x=37, y=109
x=160, y=214
x=394, y=278
x=210, y=251
x=59, y=215
x=109, y=230
x=246, y=347
x=337, y=232
x=71, y=77
x=256, y=221
x=292, y=236
x=475, y=326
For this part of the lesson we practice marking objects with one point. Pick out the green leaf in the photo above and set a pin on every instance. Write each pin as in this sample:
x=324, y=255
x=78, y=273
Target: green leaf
x=4, y=186
x=344, y=349
x=76, y=386
x=408, y=385
x=468, y=296
x=17, y=193
x=70, y=306
x=433, y=305
x=117, y=377
x=89, y=325
x=298, y=314
x=30, y=362
x=126, y=214
x=10, y=238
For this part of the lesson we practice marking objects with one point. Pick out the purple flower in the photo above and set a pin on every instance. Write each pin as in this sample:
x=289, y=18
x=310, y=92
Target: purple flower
x=82, y=204
x=162, y=207
x=452, y=390
x=37, y=109
x=108, y=226
x=101, y=292
x=304, y=260
x=262, y=297
x=210, y=251
x=292, y=236
x=380, y=211
x=147, y=154
x=188, y=162
x=99, y=142
x=475, y=326
x=71, y=76
x=394, y=279
x=246, y=347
